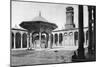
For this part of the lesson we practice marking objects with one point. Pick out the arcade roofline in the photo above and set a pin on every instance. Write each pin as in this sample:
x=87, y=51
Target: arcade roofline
x=18, y=29
x=52, y=31
x=68, y=29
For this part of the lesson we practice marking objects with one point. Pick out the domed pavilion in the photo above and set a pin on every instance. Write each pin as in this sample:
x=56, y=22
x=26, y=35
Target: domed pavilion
x=39, y=29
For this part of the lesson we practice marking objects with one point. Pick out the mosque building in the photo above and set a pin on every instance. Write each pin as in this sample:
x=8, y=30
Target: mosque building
x=38, y=41
x=41, y=34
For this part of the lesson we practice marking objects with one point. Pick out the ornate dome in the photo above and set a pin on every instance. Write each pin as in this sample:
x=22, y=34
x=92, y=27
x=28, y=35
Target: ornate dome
x=38, y=24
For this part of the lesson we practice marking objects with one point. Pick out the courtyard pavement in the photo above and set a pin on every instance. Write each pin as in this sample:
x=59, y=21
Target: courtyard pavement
x=46, y=56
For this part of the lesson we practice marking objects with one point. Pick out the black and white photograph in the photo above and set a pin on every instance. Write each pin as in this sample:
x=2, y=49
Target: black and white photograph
x=44, y=33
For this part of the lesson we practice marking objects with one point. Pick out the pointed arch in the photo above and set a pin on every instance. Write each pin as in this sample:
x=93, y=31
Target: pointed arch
x=76, y=37
x=24, y=40
x=56, y=38
x=18, y=40
x=12, y=40
x=60, y=38
x=87, y=36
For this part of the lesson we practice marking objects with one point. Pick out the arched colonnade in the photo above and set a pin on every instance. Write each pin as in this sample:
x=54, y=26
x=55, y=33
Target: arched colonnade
x=21, y=40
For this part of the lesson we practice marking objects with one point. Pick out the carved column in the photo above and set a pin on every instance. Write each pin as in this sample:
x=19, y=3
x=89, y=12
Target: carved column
x=58, y=40
x=49, y=44
x=53, y=39
x=27, y=41
x=21, y=40
x=14, y=40
x=30, y=40
x=39, y=39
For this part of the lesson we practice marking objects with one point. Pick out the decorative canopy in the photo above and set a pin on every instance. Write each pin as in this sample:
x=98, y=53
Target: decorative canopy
x=38, y=24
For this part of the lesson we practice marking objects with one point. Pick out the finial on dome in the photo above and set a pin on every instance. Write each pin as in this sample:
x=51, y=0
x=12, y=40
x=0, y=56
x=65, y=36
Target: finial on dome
x=39, y=13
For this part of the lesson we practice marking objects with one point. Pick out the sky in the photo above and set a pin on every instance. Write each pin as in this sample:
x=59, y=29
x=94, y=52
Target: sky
x=53, y=13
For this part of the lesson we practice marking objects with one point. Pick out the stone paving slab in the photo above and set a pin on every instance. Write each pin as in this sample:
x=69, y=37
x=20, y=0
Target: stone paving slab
x=31, y=57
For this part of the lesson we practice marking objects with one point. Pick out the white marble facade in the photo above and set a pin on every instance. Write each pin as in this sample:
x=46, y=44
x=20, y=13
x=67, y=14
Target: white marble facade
x=21, y=39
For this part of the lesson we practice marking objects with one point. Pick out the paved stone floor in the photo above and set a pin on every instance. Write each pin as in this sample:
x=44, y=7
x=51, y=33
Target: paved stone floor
x=33, y=57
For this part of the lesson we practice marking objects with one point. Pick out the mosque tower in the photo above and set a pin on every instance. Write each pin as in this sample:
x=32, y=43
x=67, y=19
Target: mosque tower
x=69, y=18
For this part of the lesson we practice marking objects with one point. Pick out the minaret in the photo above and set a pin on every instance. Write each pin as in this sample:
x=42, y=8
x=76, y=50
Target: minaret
x=69, y=18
